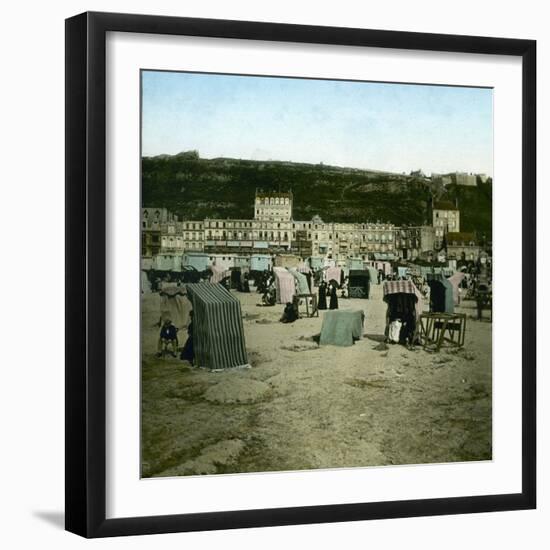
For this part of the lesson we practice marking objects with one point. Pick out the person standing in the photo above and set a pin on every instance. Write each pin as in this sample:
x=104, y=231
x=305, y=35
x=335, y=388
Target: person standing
x=322, y=296
x=333, y=297
x=188, y=351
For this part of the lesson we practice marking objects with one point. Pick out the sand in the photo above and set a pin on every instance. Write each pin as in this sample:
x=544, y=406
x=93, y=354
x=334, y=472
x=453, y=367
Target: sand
x=301, y=406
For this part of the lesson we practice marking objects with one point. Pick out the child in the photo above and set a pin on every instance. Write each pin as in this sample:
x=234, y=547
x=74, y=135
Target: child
x=168, y=337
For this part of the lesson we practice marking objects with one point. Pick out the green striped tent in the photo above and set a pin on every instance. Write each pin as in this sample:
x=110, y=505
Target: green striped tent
x=218, y=334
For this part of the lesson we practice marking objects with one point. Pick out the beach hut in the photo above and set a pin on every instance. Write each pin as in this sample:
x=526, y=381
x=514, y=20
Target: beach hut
x=198, y=260
x=373, y=275
x=359, y=283
x=218, y=273
x=315, y=262
x=441, y=293
x=242, y=262
x=354, y=264
x=405, y=304
x=287, y=260
x=174, y=305
x=402, y=271
x=260, y=262
x=300, y=281
x=385, y=267
x=333, y=273
x=456, y=281
x=222, y=261
x=285, y=286
x=167, y=262
x=218, y=334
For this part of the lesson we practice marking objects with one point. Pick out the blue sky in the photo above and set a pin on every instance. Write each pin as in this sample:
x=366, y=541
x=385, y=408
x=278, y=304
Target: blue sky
x=394, y=127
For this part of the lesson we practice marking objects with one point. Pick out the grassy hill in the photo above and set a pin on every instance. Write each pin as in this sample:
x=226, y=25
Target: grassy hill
x=196, y=188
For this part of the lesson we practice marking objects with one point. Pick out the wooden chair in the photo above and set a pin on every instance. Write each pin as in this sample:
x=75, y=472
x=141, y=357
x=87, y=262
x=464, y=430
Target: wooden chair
x=437, y=328
x=314, y=311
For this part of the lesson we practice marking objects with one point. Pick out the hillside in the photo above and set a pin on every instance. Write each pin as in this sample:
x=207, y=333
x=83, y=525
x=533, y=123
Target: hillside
x=196, y=188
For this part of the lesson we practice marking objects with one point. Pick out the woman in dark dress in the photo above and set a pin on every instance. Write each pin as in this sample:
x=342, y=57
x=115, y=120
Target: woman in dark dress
x=322, y=296
x=333, y=297
x=188, y=353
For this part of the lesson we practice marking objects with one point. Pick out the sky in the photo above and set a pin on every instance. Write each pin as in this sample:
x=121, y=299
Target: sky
x=379, y=126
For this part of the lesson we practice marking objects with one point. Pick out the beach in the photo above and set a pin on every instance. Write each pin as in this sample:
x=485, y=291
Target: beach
x=302, y=406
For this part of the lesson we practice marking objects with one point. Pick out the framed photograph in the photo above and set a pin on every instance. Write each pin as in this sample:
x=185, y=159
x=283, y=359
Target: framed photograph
x=300, y=274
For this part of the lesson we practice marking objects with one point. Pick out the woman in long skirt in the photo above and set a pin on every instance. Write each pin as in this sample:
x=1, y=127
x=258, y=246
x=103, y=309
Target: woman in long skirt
x=188, y=351
x=333, y=297
x=322, y=296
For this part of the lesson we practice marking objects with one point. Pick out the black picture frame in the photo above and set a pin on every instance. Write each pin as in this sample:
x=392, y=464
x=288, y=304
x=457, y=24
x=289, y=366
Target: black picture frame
x=86, y=279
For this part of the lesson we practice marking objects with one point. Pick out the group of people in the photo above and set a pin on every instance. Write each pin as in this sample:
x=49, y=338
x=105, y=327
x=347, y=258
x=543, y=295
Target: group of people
x=328, y=290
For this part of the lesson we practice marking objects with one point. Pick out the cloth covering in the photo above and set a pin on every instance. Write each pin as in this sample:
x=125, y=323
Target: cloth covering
x=218, y=274
x=333, y=273
x=174, y=305
x=341, y=327
x=404, y=287
x=300, y=281
x=455, y=281
x=285, y=287
x=218, y=334
x=373, y=274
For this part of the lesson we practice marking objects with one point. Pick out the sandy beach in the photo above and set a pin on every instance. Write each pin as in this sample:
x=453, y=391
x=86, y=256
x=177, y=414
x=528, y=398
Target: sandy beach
x=302, y=406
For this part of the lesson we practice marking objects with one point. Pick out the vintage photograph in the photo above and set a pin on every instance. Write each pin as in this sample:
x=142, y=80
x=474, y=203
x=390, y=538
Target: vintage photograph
x=316, y=273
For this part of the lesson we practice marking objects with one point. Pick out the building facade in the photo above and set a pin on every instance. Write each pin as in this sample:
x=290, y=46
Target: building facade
x=463, y=246
x=459, y=178
x=412, y=242
x=276, y=207
x=274, y=231
x=152, y=222
x=445, y=219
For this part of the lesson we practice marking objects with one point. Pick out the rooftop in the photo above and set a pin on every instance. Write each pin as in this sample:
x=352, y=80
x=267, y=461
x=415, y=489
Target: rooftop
x=461, y=237
x=444, y=205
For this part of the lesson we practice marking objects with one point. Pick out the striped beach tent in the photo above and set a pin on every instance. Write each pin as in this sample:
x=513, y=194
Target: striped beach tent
x=218, y=334
x=391, y=288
